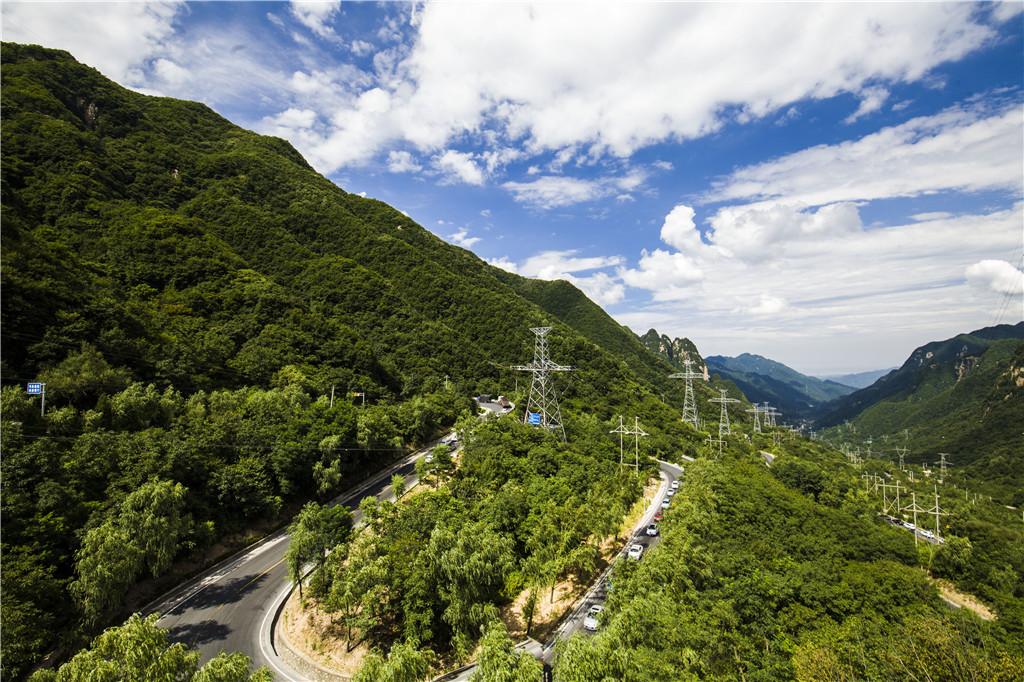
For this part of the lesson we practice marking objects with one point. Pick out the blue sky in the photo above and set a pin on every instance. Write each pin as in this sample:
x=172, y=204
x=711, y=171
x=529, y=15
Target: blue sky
x=827, y=185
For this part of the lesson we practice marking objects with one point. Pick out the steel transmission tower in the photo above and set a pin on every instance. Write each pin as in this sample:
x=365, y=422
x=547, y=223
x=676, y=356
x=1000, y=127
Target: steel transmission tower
x=542, y=407
x=757, y=417
x=689, y=402
x=638, y=433
x=723, y=417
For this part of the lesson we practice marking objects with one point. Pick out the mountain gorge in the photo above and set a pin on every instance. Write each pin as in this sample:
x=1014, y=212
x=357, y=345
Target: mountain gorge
x=797, y=395
x=963, y=396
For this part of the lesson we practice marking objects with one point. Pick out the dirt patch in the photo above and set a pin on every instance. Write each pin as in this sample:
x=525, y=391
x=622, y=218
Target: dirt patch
x=963, y=600
x=312, y=633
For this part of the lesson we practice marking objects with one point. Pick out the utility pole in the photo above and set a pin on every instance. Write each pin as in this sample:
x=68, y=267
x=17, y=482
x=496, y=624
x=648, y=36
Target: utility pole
x=332, y=395
x=39, y=389
x=868, y=443
x=723, y=417
x=622, y=430
x=638, y=433
x=915, y=509
x=446, y=383
x=689, y=402
x=936, y=512
x=542, y=406
x=715, y=441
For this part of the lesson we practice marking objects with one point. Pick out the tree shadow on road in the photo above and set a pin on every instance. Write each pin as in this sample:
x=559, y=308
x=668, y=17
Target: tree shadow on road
x=226, y=592
x=197, y=634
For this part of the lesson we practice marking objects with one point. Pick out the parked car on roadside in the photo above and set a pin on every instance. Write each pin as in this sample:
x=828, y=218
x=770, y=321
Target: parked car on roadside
x=652, y=530
x=635, y=552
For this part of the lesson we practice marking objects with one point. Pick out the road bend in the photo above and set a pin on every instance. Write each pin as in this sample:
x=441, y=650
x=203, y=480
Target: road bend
x=231, y=607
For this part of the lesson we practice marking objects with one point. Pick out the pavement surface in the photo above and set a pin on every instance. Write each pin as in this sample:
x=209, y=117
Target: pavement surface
x=231, y=607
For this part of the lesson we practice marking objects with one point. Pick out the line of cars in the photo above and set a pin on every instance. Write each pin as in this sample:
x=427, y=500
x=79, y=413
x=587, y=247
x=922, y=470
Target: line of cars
x=924, y=533
x=635, y=551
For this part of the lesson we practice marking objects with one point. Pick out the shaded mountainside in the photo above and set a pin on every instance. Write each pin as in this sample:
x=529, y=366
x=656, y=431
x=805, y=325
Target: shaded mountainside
x=763, y=380
x=674, y=350
x=858, y=379
x=963, y=396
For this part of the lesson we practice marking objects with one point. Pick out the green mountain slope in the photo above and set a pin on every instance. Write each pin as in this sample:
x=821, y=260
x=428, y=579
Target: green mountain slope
x=963, y=396
x=192, y=293
x=763, y=380
x=203, y=255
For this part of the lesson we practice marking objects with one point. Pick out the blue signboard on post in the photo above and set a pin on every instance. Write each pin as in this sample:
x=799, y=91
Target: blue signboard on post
x=35, y=388
x=533, y=418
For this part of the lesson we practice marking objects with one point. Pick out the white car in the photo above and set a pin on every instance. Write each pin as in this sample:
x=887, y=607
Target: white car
x=665, y=503
x=909, y=526
x=671, y=492
x=927, y=534
x=635, y=552
x=652, y=530
x=590, y=622
x=675, y=484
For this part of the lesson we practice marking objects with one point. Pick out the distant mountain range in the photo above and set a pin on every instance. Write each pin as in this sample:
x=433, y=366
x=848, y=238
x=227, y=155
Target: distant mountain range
x=858, y=379
x=963, y=396
x=762, y=380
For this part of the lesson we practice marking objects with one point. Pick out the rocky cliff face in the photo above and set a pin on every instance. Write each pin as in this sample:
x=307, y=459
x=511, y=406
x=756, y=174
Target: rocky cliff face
x=675, y=350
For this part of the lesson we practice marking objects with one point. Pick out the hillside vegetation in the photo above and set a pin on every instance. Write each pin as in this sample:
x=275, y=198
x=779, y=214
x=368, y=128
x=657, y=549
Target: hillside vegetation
x=787, y=573
x=193, y=295
x=963, y=396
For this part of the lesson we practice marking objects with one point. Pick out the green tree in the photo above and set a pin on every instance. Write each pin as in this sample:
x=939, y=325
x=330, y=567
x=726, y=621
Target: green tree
x=138, y=651
x=498, y=661
x=315, y=531
x=405, y=662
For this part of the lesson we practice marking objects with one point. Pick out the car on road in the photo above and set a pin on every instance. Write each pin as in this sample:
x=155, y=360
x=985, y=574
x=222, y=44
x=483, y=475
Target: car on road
x=671, y=492
x=675, y=484
x=927, y=534
x=591, y=622
x=659, y=515
x=909, y=526
x=635, y=552
x=652, y=530
x=665, y=503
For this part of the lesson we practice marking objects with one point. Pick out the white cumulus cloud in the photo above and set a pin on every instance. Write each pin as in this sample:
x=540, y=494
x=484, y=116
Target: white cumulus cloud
x=458, y=166
x=316, y=15
x=997, y=275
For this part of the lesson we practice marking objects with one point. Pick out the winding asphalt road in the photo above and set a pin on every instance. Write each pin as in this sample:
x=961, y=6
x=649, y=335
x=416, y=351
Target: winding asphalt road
x=231, y=607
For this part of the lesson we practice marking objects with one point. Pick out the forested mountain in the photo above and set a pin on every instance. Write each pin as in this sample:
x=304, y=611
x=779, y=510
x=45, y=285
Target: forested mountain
x=786, y=572
x=675, y=350
x=764, y=380
x=859, y=379
x=193, y=294
x=963, y=396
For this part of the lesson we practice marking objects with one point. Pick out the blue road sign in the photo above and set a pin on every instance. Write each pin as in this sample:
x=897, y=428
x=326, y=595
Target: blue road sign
x=533, y=418
x=35, y=388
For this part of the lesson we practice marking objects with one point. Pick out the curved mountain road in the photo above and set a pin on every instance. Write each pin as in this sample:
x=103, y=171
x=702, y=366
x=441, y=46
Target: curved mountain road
x=231, y=607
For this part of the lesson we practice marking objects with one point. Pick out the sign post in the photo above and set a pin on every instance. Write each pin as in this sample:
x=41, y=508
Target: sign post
x=39, y=389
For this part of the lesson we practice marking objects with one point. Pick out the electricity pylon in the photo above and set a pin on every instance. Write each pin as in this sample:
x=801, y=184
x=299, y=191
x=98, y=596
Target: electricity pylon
x=757, y=417
x=689, y=402
x=902, y=453
x=942, y=465
x=723, y=417
x=622, y=430
x=542, y=407
x=715, y=441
